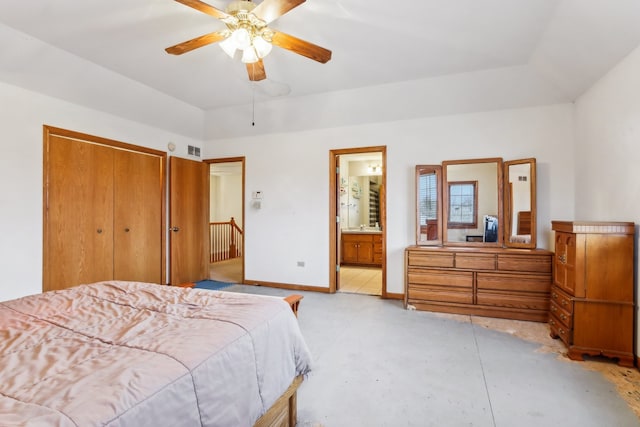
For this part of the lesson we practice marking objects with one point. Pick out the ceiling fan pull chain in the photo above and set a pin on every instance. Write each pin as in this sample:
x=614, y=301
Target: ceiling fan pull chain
x=253, y=104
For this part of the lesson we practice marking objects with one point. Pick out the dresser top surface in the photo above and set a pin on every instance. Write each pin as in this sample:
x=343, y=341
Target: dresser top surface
x=595, y=227
x=479, y=250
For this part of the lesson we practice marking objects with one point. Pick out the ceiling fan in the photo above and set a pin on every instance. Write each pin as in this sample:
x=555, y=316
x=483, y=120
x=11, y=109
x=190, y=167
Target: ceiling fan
x=248, y=32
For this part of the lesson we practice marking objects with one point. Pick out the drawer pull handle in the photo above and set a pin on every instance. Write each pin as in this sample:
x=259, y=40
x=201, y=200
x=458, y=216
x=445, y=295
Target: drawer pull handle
x=563, y=258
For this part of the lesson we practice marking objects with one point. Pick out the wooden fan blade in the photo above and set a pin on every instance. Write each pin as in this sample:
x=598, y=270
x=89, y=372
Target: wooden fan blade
x=301, y=47
x=205, y=8
x=189, y=45
x=256, y=71
x=270, y=10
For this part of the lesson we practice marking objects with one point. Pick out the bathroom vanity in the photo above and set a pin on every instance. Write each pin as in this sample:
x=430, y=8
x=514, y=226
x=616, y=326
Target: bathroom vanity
x=361, y=248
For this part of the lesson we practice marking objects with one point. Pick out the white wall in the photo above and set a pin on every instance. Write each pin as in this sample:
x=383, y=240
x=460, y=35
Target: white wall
x=226, y=198
x=607, y=120
x=292, y=169
x=22, y=115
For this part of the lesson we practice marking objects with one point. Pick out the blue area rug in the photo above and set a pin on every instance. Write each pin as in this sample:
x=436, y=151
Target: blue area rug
x=212, y=285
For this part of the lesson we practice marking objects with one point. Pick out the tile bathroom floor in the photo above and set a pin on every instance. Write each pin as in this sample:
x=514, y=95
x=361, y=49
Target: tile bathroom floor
x=361, y=280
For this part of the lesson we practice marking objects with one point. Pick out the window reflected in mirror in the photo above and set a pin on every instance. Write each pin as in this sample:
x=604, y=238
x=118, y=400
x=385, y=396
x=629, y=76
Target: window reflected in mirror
x=463, y=204
x=428, y=203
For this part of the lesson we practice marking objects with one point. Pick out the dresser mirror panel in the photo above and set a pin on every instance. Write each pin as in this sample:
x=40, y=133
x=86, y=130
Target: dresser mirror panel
x=429, y=205
x=520, y=203
x=472, y=202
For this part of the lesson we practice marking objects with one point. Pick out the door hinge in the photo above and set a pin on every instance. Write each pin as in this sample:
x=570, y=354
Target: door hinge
x=337, y=268
x=337, y=170
x=337, y=219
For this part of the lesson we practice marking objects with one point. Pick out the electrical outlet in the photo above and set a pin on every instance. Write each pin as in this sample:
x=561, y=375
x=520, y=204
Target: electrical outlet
x=300, y=263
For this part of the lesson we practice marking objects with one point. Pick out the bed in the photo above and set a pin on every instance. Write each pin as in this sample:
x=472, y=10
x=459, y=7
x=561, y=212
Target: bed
x=136, y=354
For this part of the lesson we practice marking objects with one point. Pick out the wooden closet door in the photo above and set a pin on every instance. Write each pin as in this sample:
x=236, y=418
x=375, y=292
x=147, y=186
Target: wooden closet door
x=189, y=220
x=138, y=213
x=78, y=210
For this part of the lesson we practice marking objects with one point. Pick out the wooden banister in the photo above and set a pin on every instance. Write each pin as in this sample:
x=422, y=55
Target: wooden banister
x=225, y=240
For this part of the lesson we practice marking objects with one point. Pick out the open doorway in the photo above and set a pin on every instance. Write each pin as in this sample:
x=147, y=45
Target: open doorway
x=358, y=227
x=226, y=220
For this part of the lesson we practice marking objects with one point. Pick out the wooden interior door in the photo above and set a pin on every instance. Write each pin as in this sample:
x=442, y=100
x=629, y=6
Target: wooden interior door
x=78, y=213
x=189, y=220
x=138, y=208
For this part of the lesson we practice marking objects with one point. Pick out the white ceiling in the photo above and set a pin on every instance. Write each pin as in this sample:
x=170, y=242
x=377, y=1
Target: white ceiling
x=507, y=53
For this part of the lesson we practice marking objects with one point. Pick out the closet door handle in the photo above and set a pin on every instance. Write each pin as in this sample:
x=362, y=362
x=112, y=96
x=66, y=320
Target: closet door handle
x=174, y=229
x=99, y=230
x=126, y=230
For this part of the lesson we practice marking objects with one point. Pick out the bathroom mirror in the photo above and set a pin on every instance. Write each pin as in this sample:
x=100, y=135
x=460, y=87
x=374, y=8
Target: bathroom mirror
x=429, y=204
x=472, y=202
x=360, y=187
x=520, y=203
x=360, y=202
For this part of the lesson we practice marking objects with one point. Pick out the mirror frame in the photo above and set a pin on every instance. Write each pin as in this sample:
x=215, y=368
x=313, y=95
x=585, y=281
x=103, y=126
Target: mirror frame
x=499, y=207
x=437, y=170
x=508, y=214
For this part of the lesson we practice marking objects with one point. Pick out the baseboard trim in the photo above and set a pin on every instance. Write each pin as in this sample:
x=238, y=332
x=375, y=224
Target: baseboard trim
x=395, y=296
x=287, y=286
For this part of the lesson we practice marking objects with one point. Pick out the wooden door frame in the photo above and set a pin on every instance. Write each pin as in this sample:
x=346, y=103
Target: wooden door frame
x=240, y=159
x=334, y=213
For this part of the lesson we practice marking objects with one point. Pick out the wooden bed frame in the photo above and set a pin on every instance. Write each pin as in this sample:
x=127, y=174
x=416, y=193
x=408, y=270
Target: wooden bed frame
x=284, y=412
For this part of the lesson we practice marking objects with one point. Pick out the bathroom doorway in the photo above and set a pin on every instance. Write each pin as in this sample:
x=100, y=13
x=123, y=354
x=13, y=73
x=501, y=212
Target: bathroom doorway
x=358, y=226
x=226, y=220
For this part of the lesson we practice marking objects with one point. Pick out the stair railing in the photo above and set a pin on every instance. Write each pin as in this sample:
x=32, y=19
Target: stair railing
x=225, y=241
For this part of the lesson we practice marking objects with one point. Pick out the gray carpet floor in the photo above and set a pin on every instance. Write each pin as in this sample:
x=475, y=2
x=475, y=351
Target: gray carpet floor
x=377, y=364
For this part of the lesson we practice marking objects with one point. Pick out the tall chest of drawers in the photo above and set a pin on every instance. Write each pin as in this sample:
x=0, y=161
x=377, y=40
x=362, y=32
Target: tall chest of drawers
x=592, y=305
x=495, y=282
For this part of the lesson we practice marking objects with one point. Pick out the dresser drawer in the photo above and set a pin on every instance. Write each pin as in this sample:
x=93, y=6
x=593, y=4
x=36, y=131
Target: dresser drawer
x=559, y=330
x=532, y=263
x=514, y=282
x=439, y=293
x=563, y=316
x=562, y=299
x=458, y=279
x=430, y=259
x=476, y=261
x=511, y=300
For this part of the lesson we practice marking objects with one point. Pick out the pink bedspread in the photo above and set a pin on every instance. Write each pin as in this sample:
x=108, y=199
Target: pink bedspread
x=136, y=354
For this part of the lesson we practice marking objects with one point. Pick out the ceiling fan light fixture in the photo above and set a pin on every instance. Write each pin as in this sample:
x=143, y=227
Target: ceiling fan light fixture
x=249, y=32
x=249, y=55
x=262, y=46
x=242, y=38
x=228, y=45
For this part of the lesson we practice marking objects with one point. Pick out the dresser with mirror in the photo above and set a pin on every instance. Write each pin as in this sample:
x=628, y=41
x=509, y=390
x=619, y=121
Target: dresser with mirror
x=475, y=250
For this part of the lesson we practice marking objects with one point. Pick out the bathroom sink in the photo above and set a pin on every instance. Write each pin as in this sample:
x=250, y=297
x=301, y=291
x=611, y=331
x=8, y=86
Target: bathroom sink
x=362, y=230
